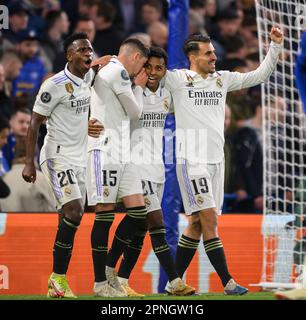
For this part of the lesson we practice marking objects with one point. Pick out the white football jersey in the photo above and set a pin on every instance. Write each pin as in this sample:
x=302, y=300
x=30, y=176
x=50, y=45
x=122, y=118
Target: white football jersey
x=65, y=100
x=199, y=106
x=111, y=81
x=147, y=135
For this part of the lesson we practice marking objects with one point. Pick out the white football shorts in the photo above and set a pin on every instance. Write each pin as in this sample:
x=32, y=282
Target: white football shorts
x=108, y=181
x=201, y=185
x=66, y=181
x=153, y=194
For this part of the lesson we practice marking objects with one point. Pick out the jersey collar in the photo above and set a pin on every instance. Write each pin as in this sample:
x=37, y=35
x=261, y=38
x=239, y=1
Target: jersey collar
x=194, y=74
x=76, y=80
x=147, y=92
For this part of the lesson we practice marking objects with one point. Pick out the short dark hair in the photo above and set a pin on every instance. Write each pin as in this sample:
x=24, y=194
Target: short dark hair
x=138, y=45
x=107, y=11
x=22, y=110
x=192, y=42
x=51, y=18
x=4, y=124
x=153, y=3
x=158, y=52
x=75, y=36
x=83, y=18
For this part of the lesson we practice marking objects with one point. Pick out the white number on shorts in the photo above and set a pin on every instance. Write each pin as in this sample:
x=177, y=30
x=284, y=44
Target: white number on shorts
x=70, y=177
x=111, y=179
x=200, y=187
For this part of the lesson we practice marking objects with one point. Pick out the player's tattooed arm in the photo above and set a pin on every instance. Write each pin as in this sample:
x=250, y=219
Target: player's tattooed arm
x=95, y=128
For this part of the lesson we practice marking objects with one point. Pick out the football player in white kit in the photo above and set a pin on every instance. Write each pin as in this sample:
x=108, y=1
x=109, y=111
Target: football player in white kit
x=147, y=153
x=110, y=176
x=64, y=100
x=199, y=96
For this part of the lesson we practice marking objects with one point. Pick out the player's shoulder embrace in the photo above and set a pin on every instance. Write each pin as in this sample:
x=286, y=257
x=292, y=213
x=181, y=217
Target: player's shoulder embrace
x=114, y=71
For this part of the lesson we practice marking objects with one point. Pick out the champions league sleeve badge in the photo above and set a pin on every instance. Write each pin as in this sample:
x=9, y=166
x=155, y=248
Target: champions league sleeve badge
x=125, y=75
x=45, y=97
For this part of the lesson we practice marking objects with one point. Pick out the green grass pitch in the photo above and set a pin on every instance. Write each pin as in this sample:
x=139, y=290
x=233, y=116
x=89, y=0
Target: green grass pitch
x=206, y=296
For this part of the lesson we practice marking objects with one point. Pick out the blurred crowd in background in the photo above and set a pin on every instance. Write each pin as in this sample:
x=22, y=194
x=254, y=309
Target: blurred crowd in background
x=31, y=51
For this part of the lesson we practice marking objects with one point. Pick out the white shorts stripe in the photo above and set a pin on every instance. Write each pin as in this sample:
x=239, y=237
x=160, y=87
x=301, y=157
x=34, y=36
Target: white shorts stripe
x=55, y=185
x=97, y=166
x=192, y=201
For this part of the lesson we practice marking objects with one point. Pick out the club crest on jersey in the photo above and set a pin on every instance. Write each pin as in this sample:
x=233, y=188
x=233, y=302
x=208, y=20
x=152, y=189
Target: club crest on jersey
x=190, y=81
x=147, y=201
x=67, y=191
x=219, y=82
x=106, y=192
x=200, y=200
x=69, y=89
x=166, y=105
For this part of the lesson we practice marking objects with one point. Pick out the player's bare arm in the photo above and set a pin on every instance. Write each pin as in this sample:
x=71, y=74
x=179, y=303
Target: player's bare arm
x=99, y=63
x=29, y=171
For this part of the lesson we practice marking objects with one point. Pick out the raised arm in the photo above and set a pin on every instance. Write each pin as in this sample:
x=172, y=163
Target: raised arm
x=239, y=80
x=132, y=102
x=29, y=171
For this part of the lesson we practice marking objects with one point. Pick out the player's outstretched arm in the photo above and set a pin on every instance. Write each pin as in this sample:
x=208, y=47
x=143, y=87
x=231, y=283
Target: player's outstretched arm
x=239, y=80
x=132, y=102
x=29, y=171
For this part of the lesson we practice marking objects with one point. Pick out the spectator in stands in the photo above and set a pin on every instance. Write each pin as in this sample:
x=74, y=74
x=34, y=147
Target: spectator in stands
x=151, y=11
x=196, y=22
x=18, y=20
x=108, y=38
x=239, y=100
x=248, y=32
x=33, y=71
x=249, y=157
x=252, y=60
x=26, y=197
x=57, y=26
x=143, y=37
x=197, y=6
x=210, y=16
x=228, y=25
x=78, y=8
x=4, y=132
x=126, y=15
x=235, y=47
x=12, y=65
x=6, y=105
x=86, y=25
x=158, y=33
x=232, y=179
x=19, y=124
